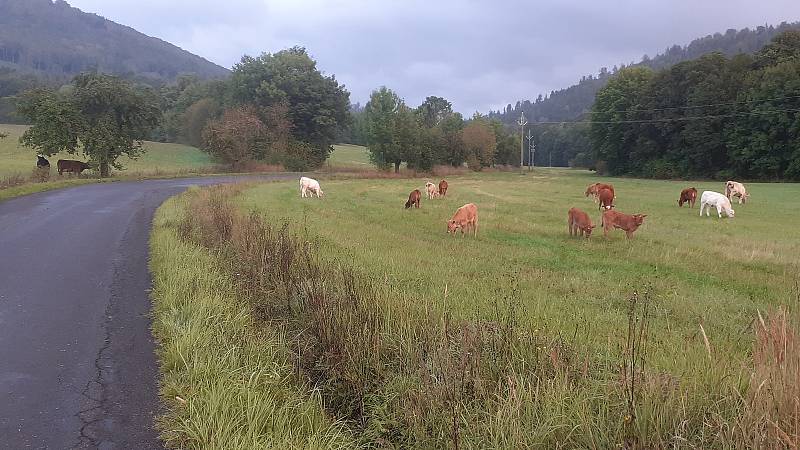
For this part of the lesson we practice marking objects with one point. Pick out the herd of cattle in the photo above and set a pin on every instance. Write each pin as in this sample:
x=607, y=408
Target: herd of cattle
x=63, y=165
x=578, y=222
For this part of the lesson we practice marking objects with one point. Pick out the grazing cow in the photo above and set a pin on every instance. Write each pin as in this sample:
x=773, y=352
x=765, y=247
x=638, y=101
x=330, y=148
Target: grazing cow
x=579, y=223
x=70, y=165
x=625, y=222
x=443, y=188
x=42, y=162
x=465, y=217
x=594, y=189
x=717, y=200
x=688, y=195
x=413, y=199
x=432, y=190
x=606, y=197
x=309, y=187
x=735, y=189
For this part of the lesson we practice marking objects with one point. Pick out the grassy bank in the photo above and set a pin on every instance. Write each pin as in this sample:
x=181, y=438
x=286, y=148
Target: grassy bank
x=524, y=337
x=226, y=383
x=158, y=158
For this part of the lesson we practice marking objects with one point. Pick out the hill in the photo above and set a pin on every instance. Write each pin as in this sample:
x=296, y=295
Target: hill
x=55, y=40
x=570, y=103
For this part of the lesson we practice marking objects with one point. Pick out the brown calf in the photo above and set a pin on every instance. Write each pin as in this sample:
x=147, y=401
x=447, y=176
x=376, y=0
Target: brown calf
x=443, y=188
x=413, y=199
x=594, y=189
x=579, y=223
x=606, y=197
x=689, y=196
x=69, y=165
x=465, y=217
x=625, y=222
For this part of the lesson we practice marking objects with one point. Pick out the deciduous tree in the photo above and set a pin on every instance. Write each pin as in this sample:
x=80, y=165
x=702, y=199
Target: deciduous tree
x=103, y=116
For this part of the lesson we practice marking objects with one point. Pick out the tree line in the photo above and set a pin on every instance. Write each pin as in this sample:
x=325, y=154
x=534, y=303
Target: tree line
x=713, y=116
x=574, y=103
x=276, y=108
x=429, y=134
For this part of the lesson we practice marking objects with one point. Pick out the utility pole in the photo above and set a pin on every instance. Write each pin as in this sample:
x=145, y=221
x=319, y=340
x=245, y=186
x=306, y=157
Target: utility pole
x=522, y=122
x=531, y=149
x=551, y=157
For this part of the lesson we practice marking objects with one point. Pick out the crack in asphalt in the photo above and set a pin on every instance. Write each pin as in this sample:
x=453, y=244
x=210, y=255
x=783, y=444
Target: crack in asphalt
x=95, y=391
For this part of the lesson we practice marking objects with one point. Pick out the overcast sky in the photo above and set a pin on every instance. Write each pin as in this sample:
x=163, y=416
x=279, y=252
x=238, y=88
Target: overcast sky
x=480, y=55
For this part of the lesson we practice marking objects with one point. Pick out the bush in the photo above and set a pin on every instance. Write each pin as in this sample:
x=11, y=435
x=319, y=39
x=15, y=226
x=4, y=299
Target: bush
x=660, y=169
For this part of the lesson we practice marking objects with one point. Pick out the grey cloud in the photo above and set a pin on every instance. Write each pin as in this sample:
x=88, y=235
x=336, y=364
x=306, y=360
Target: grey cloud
x=477, y=54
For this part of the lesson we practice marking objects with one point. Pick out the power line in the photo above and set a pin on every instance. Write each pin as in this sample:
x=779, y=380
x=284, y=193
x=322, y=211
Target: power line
x=709, y=105
x=667, y=120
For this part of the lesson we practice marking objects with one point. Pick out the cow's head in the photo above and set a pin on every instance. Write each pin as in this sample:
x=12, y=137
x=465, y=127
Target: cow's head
x=638, y=219
x=729, y=211
x=588, y=230
x=452, y=226
x=592, y=189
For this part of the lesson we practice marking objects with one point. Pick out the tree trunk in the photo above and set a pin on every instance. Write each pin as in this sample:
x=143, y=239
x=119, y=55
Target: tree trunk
x=104, y=169
x=397, y=167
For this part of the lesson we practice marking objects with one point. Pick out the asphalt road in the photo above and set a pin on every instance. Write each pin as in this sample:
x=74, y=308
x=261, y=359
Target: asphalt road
x=77, y=363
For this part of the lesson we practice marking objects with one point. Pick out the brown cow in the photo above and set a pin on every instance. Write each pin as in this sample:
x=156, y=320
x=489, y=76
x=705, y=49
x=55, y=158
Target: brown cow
x=689, y=196
x=413, y=199
x=606, y=197
x=616, y=219
x=443, y=188
x=70, y=165
x=579, y=223
x=594, y=189
x=466, y=216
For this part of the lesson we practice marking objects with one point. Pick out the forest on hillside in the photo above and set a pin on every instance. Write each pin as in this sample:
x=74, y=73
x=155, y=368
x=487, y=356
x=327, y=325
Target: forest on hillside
x=713, y=116
x=55, y=40
x=575, y=101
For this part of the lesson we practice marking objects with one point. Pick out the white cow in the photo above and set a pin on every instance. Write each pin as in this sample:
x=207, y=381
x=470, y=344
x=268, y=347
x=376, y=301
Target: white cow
x=432, y=190
x=309, y=187
x=717, y=200
x=736, y=189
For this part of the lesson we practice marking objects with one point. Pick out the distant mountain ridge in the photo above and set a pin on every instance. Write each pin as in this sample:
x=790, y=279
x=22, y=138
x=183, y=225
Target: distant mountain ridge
x=571, y=103
x=55, y=40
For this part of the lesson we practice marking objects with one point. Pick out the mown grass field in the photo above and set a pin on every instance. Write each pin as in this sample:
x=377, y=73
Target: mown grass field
x=520, y=338
x=159, y=158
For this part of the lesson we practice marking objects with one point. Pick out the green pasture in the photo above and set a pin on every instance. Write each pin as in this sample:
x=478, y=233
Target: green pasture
x=159, y=157
x=347, y=156
x=708, y=271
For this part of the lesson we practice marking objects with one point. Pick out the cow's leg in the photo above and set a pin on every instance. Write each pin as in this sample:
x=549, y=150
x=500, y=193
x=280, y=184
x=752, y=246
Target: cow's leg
x=719, y=211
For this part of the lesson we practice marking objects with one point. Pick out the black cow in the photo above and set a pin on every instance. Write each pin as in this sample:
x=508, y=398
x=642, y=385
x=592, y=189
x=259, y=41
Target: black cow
x=42, y=162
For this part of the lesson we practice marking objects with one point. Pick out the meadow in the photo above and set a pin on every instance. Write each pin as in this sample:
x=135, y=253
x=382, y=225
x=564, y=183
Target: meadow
x=523, y=337
x=159, y=157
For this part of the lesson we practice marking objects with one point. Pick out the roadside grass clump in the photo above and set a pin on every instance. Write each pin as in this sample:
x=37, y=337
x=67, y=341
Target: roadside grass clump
x=226, y=382
x=772, y=416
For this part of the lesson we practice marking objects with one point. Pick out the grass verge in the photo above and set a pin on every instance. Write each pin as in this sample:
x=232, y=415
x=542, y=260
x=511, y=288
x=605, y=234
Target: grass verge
x=226, y=384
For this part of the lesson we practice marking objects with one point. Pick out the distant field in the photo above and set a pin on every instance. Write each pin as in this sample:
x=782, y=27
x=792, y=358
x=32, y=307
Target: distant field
x=160, y=157
x=346, y=156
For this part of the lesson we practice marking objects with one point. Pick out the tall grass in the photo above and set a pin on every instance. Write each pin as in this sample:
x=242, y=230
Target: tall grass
x=401, y=373
x=227, y=383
